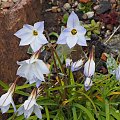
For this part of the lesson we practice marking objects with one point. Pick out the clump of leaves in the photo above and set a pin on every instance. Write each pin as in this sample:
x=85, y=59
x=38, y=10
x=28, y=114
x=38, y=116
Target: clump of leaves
x=109, y=18
x=85, y=7
x=92, y=28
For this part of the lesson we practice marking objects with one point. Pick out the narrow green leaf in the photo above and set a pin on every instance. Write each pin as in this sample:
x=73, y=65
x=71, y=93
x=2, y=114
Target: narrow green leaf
x=74, y=113
x=47, y=113
x=85, y=110
x=107, y=110
x=115, y=113
x=59, y=116
x=5, y=86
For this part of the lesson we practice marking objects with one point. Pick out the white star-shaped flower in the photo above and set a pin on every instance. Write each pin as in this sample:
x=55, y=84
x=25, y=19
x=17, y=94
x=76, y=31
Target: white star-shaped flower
x=32, y=35
x=33, y=70
x=6, y=99
x=117, y=72
x=74, y=33
x=30, y=106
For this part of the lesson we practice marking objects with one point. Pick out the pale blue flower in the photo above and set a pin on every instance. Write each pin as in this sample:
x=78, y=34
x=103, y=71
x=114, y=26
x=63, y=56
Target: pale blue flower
x=33, y=70
x=87, y=83
x=30, y=106
x=74, y=33
x=6, y=99
x=32, y=35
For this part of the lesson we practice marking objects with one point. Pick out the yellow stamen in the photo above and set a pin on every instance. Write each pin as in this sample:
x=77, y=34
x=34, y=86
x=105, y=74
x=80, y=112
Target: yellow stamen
x=35, y=33
x=74, y=31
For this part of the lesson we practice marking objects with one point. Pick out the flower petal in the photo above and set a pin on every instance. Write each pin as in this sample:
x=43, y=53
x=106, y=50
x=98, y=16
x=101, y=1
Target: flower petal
x=82, y=40
x=68, y=62
x=88, y=83
x=38, y=73
x=77, y=65
x=23, y=62
x=89, y=68
x=63, y=36
x=22, y=32
x=29, y=27
x=39, y=26
x=81, y=30
x=37, y=112
x=23, y=70
x=35, y=45
x=42, y=67
x=72, y=40
x=38, y=83
x=26, y=39
x=27, y=113
x=117, y=72
x=5, y=99
x=42, y=39
x=5, y=108
x=20, y=110
x=28, y=104
x=73, y=20
x=12, y=102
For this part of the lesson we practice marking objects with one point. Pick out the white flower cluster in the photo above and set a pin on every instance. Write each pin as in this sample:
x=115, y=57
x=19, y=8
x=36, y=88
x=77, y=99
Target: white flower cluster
x=34, y=69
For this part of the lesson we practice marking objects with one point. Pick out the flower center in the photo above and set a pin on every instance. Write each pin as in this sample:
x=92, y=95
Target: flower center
x=74, y=31
x=35, y=33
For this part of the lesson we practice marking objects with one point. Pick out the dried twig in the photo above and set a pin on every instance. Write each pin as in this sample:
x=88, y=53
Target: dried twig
x=112, y=35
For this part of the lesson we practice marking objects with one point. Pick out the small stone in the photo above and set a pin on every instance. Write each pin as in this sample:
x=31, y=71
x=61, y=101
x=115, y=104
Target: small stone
x=7, y=5
x=59, y=10
x=96, y=7
x=75, y=4
x=54, y=9
x=67, y=6
x=85, y=16
x=90, y=14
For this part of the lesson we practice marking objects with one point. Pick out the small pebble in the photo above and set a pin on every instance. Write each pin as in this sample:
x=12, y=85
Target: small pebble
x=67, y=6
x=55, y=9
x=85, y=16
x=90, y=14
x=75, y=4
x=96, y=7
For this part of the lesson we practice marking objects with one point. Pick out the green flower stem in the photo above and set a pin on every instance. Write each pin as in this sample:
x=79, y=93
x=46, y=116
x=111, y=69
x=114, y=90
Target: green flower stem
x=47, y=113
x=62, y=94
x=61, y=67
